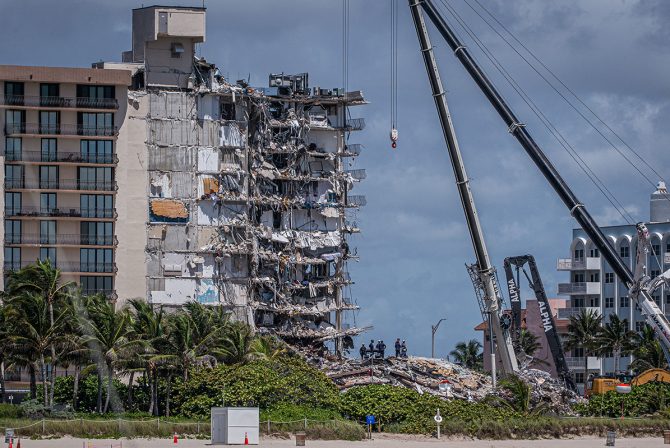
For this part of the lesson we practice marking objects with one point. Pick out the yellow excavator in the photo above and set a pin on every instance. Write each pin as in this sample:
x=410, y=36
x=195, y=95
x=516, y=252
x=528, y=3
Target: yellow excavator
x=597, y=385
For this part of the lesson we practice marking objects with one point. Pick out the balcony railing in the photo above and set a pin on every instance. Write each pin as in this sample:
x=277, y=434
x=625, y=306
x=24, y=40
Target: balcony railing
x=71, y=212
x=92, y=292
x=60, y=129
x=357, y=200
x=579, y=288
x=104, y=268
x=354, y=124
x=576, y=264
x=357, y=174
x=59, y=101
x=62, y=184
x=74, y=157
x=73, y=239
x=567, y=313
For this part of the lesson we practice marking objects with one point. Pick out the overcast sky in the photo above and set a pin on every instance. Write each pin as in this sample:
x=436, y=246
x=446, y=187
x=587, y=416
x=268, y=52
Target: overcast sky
x=613, y=53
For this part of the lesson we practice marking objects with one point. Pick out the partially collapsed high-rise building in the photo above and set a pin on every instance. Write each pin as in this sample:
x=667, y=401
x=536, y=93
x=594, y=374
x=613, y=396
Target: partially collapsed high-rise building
x=156, y=177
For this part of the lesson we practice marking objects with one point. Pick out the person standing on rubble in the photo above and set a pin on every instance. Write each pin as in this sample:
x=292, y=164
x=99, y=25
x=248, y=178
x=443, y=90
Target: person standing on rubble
x=397, y=348
x=371, y=348
x=363, y=351
x=382, y=348
x=379, y=349
x=403, y=349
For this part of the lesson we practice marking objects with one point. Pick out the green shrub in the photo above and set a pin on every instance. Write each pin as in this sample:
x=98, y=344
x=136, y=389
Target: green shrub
x=408, y=411
x=10, y=411
x=647, y=399
x=262, y=383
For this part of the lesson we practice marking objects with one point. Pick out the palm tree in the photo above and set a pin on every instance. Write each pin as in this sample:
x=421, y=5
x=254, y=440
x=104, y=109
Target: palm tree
x=469, y=354
x=615, y=337
x=583, y=331
x=108, y=334
x=519, y=397
x=528, y=342
x=647, y=351
x=34, y=330
x=268, y=347
x=4, y=350
x=149, y=326
x=238, y=344
x=45, y=279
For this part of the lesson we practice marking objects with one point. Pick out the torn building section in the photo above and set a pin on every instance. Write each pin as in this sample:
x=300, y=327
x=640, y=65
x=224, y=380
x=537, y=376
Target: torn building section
x=249, y=201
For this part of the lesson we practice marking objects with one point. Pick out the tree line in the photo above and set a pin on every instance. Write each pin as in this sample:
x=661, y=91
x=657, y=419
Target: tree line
x=588, y=332
x=47, y=323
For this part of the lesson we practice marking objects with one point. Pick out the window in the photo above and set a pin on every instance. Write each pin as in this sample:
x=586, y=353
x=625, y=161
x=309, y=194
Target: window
x=48, y=203
x=12, y=203
x=49, y=122
x=96, y=260
x=579, y=254
x=96, y=284
x=655, y=249
x=595, y=253
x=97, y=151
x=227, y=110
x=609, y=277
x=48, y=232
x=97, y=233
x=50, y=95
x=624, y=251
x=92, y=178
x=14, y=93
x=639, y=326
x=13, y=176
x=85, y=92
x=579, y=377
x=12, y=232
x=100, y=123
x=594, y=277
x=48, y=177
x=578, y=352
x=49, y=150
x=594, y=302
x=609, y=302
x=657, y=299
x=667, y=299
x=667, y=246
x=12, y=149
x=13, y=258
x=578, y=277
x=578, y=302
x=624, y=302
x=176, y=49
x=97, y=206
x=654, y=273
x=15, y=122
x=48, y=253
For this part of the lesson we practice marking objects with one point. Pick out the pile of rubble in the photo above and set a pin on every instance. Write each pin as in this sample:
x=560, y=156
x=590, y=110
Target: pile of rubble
x=438, y=377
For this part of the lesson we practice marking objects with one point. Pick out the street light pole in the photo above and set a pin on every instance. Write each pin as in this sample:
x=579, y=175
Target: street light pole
x=434, y=329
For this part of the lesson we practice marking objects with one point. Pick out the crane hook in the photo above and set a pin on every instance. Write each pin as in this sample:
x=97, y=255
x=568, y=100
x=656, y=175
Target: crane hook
x=394, y=138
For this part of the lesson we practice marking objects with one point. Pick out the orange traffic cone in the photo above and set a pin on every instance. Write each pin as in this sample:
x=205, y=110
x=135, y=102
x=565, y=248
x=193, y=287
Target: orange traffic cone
x=11, y=442
x=246, y=440
x=175, y=439
x=18, y=445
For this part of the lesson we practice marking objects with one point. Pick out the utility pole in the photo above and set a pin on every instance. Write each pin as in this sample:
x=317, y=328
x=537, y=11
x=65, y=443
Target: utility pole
x=434, y=330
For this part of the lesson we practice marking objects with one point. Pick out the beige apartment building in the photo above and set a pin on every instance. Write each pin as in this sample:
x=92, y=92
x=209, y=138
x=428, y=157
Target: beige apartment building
x=155, y=177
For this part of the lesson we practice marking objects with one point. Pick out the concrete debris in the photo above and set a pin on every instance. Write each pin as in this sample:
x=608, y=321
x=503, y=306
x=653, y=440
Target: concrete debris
x=168, y=208
x=437, y=377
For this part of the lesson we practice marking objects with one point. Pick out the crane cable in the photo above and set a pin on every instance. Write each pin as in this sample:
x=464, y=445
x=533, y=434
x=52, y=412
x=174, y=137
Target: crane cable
x=345, y=58
x=394, y=73
x=583, y=165
x=572, y=93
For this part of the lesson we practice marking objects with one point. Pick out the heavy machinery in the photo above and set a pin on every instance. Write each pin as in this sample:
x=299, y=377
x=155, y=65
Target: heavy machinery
x=482, y=272
x=638, y=284
x=548, y=323
x=600, y=384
